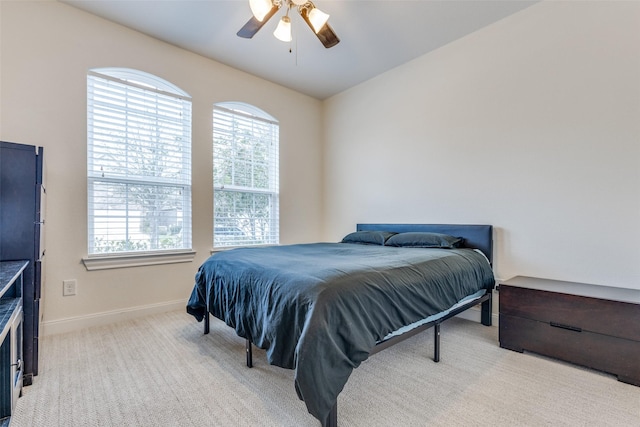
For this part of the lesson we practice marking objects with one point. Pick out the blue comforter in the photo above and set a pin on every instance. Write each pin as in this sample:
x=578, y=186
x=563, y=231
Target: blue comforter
x=320, y=308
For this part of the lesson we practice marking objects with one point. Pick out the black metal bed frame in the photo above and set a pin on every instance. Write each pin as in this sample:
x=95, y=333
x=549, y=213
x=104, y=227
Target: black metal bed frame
x=485, y=300
x=477, y=236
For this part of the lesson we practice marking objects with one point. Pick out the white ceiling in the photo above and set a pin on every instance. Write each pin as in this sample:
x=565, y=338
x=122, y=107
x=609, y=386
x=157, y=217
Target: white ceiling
x=375, y=36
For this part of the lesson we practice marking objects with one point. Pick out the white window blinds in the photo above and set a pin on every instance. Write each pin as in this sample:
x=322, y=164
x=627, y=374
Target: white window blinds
x=138, y=163
x=245, y=176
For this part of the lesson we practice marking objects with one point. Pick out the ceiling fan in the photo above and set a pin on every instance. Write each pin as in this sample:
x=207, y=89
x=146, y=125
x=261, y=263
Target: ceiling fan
x=263, y=10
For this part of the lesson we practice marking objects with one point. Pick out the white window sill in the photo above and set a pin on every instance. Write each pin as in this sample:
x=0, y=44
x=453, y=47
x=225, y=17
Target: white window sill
x=104, y=262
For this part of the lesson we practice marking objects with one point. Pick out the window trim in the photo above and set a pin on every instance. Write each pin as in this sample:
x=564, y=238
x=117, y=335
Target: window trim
x=135, y=259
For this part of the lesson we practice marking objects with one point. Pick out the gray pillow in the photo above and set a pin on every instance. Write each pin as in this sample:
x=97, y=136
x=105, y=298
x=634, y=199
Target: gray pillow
x=424, y=240
x=367, y=237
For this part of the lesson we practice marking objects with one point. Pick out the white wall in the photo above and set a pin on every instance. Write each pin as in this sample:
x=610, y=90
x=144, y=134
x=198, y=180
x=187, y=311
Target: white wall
x=47, y=48
x=531, y=124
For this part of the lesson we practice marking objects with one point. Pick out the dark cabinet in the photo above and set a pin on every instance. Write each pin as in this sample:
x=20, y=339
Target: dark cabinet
x=21, y=231
x=589, y=325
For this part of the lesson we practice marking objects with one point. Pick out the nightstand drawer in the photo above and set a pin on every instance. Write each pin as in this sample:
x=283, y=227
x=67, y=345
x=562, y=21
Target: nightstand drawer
x=602, y=352
x=601, y=316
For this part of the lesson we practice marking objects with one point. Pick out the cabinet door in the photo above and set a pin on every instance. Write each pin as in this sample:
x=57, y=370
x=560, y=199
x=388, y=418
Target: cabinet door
x=17, y=196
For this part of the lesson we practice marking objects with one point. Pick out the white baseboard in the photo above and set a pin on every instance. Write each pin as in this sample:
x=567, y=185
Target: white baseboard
x=59, y=326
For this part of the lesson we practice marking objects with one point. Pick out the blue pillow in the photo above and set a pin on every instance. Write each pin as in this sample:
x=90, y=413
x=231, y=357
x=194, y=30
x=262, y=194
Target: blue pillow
x=368, y=237
x=424, y=240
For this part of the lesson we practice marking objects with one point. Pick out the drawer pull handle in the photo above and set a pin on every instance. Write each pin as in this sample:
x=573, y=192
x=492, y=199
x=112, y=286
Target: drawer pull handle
x=561, y=326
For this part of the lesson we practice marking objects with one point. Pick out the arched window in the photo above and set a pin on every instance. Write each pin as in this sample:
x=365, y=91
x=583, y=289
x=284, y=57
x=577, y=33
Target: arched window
x=245, y=176
x=138, y=163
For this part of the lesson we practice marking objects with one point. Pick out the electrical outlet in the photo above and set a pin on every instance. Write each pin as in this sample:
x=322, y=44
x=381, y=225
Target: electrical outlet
x=69, y=287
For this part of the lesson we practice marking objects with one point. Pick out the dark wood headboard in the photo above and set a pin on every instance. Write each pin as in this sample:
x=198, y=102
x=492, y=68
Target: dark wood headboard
x=475, y=236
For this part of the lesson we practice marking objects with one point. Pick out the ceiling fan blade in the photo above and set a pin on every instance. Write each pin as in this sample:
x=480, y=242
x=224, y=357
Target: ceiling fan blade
x=253, y=25
x=326, y=35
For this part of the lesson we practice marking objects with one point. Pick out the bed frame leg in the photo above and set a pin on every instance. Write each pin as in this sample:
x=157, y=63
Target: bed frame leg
x=332, y=419
x=487, y=309
x=249, y=355
x=206, y=323
x=436, y=342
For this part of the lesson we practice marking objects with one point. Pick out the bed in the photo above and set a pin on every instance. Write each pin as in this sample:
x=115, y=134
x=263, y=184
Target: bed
x=323, y=308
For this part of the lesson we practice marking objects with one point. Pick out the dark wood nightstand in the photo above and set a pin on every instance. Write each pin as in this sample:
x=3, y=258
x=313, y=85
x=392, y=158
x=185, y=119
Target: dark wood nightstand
x=589, y=325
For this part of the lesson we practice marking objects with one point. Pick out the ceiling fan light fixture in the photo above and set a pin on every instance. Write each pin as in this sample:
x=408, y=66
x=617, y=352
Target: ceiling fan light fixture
x=264, y=10
x=283, y=31
x=260, y=8
x=317, y=18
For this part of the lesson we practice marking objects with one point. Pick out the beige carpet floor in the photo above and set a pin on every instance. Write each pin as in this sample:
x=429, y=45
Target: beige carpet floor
x=162, y=371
